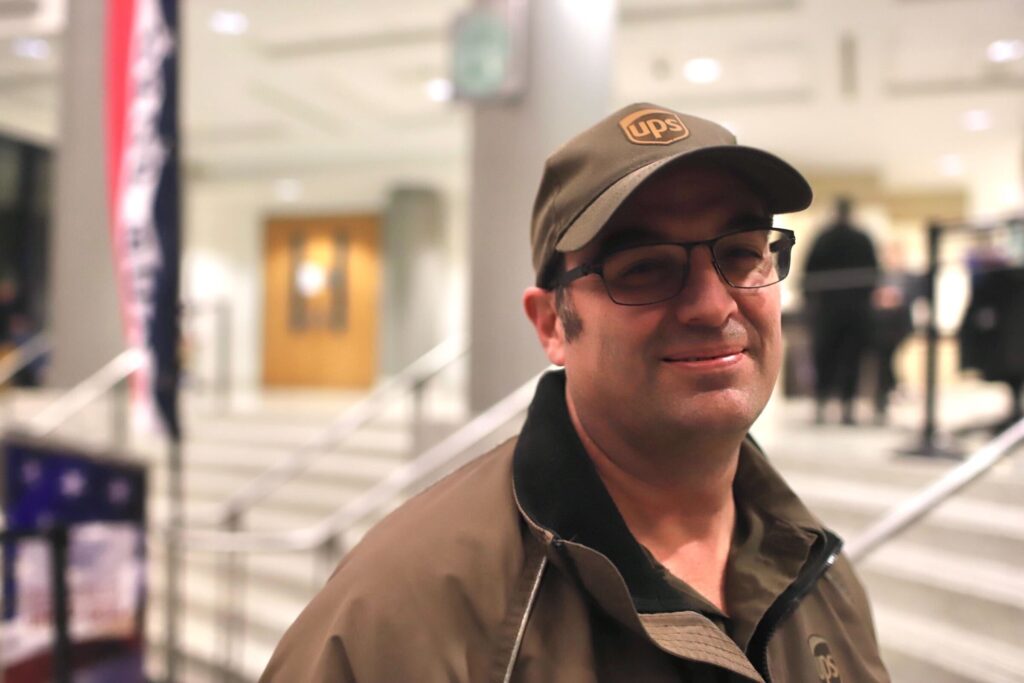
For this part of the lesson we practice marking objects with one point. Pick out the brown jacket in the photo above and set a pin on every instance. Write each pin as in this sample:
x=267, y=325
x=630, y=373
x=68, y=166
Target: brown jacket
x=477, y=580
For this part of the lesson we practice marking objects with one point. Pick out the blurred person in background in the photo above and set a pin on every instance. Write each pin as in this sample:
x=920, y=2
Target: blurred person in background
x=839, y=278
x=891, y=322
x=8, y=307
x=632, y=531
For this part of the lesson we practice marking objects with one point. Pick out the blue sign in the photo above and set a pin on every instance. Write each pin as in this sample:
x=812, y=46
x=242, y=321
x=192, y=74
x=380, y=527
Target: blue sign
x=101, y=501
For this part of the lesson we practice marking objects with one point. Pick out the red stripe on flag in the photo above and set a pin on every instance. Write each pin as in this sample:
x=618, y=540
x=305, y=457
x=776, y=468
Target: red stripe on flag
x=120, y=16
x=120, y=94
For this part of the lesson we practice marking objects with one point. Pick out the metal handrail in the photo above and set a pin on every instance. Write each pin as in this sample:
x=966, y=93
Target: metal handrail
x=87, y=391
x=355, y=417
x=914, y=508
x=21, y=356
x=418, y=470
x=401, y=480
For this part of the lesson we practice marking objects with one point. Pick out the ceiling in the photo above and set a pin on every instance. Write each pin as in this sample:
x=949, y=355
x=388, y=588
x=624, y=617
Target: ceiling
x=321, y=87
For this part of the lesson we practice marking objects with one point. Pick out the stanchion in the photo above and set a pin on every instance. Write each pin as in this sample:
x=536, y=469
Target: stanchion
x=931, y=443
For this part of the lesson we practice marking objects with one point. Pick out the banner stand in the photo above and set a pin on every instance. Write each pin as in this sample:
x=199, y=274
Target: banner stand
x=58, y=539
x=80, y=512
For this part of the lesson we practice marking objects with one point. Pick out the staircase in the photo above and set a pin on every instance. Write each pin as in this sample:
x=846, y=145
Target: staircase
x=948, y=595
x=227, y=451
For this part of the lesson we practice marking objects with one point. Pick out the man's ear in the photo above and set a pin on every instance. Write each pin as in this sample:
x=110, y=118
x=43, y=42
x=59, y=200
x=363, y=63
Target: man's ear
x=541, y=310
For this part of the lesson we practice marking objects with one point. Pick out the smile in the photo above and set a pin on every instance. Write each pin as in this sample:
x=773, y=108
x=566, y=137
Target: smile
x=708, y=358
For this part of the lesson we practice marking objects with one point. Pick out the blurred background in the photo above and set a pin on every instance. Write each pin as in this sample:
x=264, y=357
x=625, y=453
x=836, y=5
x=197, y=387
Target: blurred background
x=356, y=184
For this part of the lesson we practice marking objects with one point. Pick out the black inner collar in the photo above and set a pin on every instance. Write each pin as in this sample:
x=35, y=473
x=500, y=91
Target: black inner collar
x=559, y=488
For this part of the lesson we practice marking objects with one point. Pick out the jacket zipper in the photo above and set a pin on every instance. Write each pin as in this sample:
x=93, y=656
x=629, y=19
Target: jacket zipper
x=825, y=553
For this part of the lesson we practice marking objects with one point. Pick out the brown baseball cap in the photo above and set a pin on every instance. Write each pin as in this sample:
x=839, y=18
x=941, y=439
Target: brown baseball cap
x=588, y=177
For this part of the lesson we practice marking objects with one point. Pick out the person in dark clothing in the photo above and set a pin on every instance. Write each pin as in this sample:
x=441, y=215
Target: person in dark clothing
x=892, y=323
x=8, y=307
x=840, y=276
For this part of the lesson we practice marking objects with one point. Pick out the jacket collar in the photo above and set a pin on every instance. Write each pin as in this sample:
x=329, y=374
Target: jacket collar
x=565, y=503
x=558, y=489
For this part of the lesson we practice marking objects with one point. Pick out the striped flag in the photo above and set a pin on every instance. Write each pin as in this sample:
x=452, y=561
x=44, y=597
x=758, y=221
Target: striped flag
x=142, y=167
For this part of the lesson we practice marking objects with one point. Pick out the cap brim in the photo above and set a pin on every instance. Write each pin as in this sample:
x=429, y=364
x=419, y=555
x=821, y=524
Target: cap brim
x=781, y=186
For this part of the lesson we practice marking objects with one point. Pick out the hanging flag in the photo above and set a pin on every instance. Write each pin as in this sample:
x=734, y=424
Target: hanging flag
x=142, y=167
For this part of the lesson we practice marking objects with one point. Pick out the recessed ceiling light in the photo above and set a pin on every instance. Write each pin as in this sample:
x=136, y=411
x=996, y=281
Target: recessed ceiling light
x=31, y=48
x=702, y=70
x=952, y=165
x=1005, y=50
x=977, y=120
x=229, y=23
x=440, y=89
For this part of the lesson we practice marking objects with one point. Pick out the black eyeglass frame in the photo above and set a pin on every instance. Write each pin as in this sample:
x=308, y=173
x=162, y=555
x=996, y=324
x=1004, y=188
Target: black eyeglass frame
x=597, y=267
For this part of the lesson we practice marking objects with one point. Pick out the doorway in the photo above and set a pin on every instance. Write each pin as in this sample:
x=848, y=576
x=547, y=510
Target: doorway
x=322, y=291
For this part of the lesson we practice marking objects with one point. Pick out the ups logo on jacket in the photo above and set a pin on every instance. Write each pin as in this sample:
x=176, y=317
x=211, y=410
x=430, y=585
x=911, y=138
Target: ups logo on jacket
x=828, y=672
x=653, y=127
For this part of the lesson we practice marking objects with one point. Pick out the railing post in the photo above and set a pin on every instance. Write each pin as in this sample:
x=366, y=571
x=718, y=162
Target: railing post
x=419, y=436
x=931, y=368
x=61, y=604
x=172, y=585
x=222, y=372
x=119, y=410
x=327, y=558
x=233, y=600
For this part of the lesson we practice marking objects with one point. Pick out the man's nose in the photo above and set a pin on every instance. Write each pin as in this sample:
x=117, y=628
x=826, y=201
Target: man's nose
x=706, y=298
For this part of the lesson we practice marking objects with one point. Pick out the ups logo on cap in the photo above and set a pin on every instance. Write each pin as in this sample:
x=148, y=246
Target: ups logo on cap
x=653, y=127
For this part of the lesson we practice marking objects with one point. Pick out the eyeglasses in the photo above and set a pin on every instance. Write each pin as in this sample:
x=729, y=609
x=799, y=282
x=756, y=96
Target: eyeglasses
x=652, y=273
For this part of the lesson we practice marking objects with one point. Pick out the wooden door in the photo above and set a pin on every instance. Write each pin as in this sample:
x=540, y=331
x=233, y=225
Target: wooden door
x=322, y=282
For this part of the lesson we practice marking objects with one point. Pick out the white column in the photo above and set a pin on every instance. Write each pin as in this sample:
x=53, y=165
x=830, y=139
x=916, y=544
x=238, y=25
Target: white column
x=416, y=272
x=570, y=65
x=85, y=323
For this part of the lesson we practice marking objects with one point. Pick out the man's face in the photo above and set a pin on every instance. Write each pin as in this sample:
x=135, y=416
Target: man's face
x=702, y=363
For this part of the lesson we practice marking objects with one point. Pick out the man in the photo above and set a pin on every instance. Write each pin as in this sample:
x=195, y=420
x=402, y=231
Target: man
x=631, y=532
x=841, y=274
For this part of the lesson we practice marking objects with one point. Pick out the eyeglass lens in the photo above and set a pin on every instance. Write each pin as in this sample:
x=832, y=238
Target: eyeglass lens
x=652, y=273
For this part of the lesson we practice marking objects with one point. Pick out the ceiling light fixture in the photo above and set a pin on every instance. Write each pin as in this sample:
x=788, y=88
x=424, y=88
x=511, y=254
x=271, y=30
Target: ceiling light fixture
x=229, y=23
x=1010, y=50
x=440, y=90
x=31, y=48
x=977, y=120
x=702, y=70
x=952, y=165
x=287, y=190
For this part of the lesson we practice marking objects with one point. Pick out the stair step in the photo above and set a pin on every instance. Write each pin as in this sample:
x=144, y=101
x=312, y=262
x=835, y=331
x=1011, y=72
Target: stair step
x=978, y=594
x=975, y=527
x=920, y=649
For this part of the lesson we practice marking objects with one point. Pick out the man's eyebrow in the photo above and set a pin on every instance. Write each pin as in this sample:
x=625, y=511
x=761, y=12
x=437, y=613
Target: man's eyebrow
x=748, y=220
x=627, y=238
x=630, y=236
